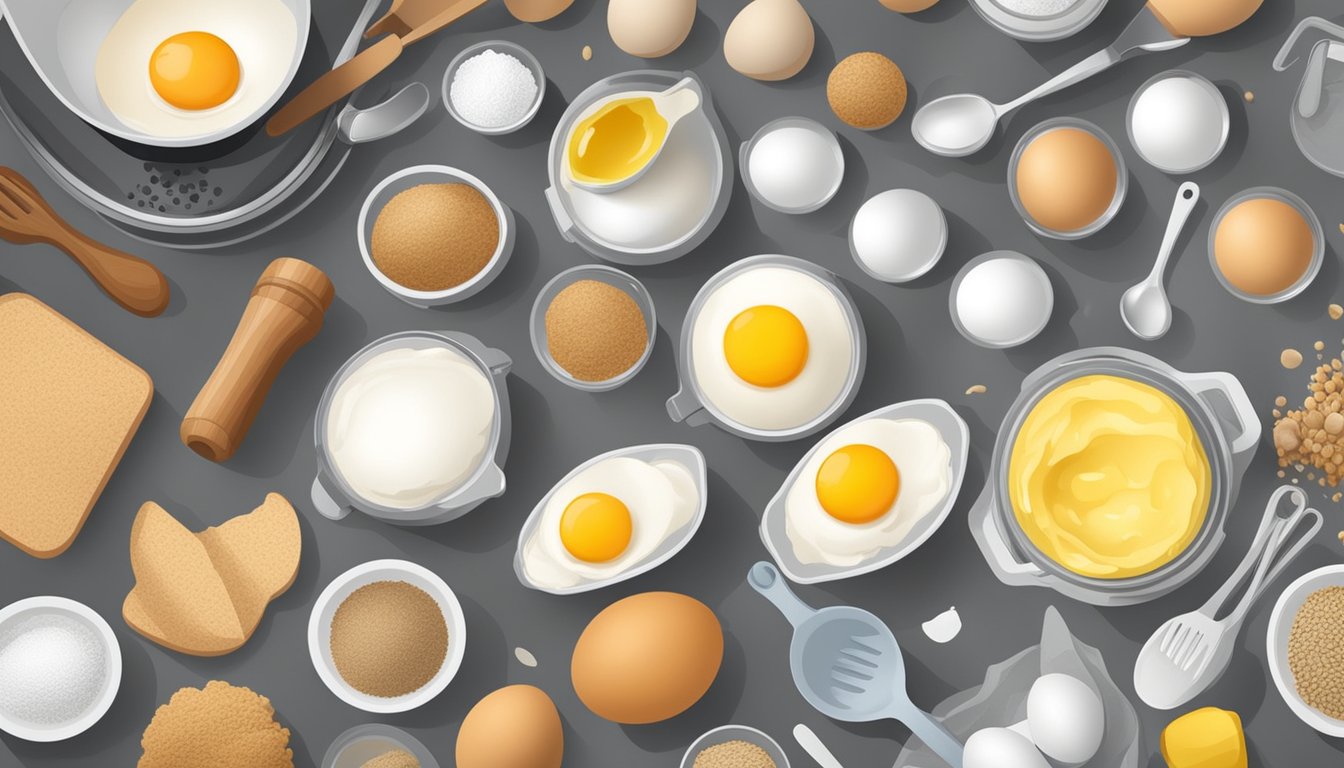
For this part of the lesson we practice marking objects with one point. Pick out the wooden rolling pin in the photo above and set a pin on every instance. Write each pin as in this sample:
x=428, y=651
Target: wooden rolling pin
x=284, y=313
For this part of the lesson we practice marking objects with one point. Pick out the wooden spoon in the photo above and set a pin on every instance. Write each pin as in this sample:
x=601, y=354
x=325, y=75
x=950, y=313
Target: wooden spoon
x=25, y=218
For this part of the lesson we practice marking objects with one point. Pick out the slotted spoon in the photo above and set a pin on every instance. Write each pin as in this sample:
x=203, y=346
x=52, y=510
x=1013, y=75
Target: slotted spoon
x=848, y=665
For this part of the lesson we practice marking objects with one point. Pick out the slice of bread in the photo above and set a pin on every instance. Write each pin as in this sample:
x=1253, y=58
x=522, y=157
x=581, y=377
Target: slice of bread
x=69, y=409
x=204, y=594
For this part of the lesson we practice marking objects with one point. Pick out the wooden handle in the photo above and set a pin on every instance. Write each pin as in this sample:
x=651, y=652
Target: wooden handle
x=335, y=85
x=284, y=313
x=131, y=281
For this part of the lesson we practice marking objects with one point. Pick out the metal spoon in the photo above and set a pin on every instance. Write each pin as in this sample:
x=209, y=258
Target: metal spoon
x=381, y=120
x=962, y=124
x=1144, y=307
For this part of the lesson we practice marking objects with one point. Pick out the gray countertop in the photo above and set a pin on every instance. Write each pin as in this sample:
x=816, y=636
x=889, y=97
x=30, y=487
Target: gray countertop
x=914, y=352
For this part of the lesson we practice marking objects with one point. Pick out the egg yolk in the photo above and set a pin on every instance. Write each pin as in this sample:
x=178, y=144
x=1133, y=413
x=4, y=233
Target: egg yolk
x=596, y=527
x=194, y=71
x=766, y=346
x=858, y=484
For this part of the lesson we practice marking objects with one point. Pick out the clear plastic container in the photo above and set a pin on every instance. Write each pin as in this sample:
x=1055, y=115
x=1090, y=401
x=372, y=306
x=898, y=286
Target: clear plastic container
x=1121, y=177
x=498, y=46
x=611, y=276
x=1317, y=234
x=363, y=743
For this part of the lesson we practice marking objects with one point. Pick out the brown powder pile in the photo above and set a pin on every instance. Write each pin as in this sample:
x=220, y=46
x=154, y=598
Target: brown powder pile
x=1316, y=651
x=867, y=90
x=222, y=726
x=595, y=331
x=433, y=237
x=388, y=639
x=734, y=754
x=1314, y=436
x=397, y=758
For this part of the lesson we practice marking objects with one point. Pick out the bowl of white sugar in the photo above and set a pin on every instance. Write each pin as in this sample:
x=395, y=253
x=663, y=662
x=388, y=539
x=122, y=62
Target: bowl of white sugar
x=60, y=668
x=495, y=87
x=1039, y=20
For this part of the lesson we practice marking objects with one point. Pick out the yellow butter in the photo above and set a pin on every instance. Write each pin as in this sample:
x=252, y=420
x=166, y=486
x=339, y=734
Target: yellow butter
x=1108, y=478
x=1205, y=738
x=616, y=141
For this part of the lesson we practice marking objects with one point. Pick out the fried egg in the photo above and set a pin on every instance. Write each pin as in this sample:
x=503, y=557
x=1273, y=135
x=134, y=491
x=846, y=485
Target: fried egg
x=185, y=68
x=608, y=519
x=865, y=488
x=771, y=348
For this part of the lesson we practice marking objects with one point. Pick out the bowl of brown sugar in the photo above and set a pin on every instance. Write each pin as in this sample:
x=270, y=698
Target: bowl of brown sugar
x=434, y=235
x=593, y=327
x=1305, y=643
x=387, y=636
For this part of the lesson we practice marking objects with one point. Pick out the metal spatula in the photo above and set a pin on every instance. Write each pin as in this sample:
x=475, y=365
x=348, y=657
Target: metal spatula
x=848, y=665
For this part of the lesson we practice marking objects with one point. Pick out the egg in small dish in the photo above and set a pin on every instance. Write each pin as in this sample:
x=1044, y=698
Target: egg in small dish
x=613, y=518
x=868, y=493
x=178, y=69
x=772, y=347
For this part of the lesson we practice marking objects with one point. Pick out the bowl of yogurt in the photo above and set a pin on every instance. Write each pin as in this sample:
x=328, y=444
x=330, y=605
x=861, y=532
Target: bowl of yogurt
x=413, y=429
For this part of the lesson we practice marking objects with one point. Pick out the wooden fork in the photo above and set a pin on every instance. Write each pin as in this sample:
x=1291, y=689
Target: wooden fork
x=25, y=218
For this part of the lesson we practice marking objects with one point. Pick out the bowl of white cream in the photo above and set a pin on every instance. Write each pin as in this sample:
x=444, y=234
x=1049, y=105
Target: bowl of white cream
x=413, y=429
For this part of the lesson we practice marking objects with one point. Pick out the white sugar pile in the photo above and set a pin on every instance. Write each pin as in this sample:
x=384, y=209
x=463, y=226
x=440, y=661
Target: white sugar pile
x=1038, y=8
x=52, y=669
x=493, y=90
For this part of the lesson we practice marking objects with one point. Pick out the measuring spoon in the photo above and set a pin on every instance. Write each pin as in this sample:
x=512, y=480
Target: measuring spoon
x=1145, y=307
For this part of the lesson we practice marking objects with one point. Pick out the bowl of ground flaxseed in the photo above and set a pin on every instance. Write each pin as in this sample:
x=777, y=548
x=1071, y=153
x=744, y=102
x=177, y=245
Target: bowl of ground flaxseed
x=387, y=636
x=1305, y=644
x=735, y=746
x=593, y=327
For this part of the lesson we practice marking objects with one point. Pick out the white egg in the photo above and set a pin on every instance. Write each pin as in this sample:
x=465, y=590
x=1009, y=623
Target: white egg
x=1003, y=300
x=1066, y=718
x=898, y=235
x=923, y=463
x=261, y=34
x=661, y=498
x=826, y=354
x=1001, y=748
x=1179, y=123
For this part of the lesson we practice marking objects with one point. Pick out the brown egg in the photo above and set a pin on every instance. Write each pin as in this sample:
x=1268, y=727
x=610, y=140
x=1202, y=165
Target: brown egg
x=1263, y=246
x=647, y=658
x=650, y=28
x=770, y=40
x=1066, y=179
x=514, y=727
x=909, y=6
x=1200, y=18
x=536, y=10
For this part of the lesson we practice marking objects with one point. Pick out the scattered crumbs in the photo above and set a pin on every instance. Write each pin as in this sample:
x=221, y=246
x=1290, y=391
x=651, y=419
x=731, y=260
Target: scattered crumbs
x=978, y=389
x=1319, y=345
x=1281, y=401
x=1335, y=310
x=524, y=657
x=1341, y=228
x=587, y=53
x=1341, y=536
x=1290, y=358
x=1337, y=497
x=1294, y=481
x=1250, y=96
x=1282, y=473
x=1311, y=476
x=1277, y=413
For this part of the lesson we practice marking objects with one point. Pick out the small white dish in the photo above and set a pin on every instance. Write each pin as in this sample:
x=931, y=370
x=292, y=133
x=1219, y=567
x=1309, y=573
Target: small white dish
x=824, y=136
x=324, y=609
x=1028, y=318
x=498, y=46
x=1280, y=627
x=434, y=174
x=33, y=607
x=953, y=431
x=687, y=455
x=726, y=733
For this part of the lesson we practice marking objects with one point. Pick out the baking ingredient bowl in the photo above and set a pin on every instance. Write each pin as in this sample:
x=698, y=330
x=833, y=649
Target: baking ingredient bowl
x=362, y=743
x=693, y=405
x=18, y=614
x=334, y=498
x=1262, y=236
x=1280, y=628
x=1178, y=122
x=415, y=176
x=502, y=47
x=774, y=529
x=340, y=588
x=610, y=276
x=1001, y=299
x=793, y=165
x=1223, y=420
x=898, y=235
x=1039, y=20
x=1064, y=178
x=64, y=39
x=728, y=733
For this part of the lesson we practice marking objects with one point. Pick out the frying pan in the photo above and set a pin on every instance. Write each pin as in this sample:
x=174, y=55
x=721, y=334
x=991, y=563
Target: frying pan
x=61, y=39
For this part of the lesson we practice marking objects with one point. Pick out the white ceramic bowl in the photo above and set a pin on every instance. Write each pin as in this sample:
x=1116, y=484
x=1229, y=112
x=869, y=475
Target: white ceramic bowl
x=1280, y=625
x=46, y=606
x=498, y=46
x=319, y=633
x=433, y=174
x=727, y=733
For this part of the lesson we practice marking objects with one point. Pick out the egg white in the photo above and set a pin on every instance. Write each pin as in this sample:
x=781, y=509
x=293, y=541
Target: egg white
x=263, y=34
x=924, y=461
x=662, y=498
x=830, y=340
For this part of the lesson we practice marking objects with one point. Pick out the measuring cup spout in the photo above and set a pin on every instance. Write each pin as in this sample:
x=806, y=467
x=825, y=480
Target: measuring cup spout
x=766, y=579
